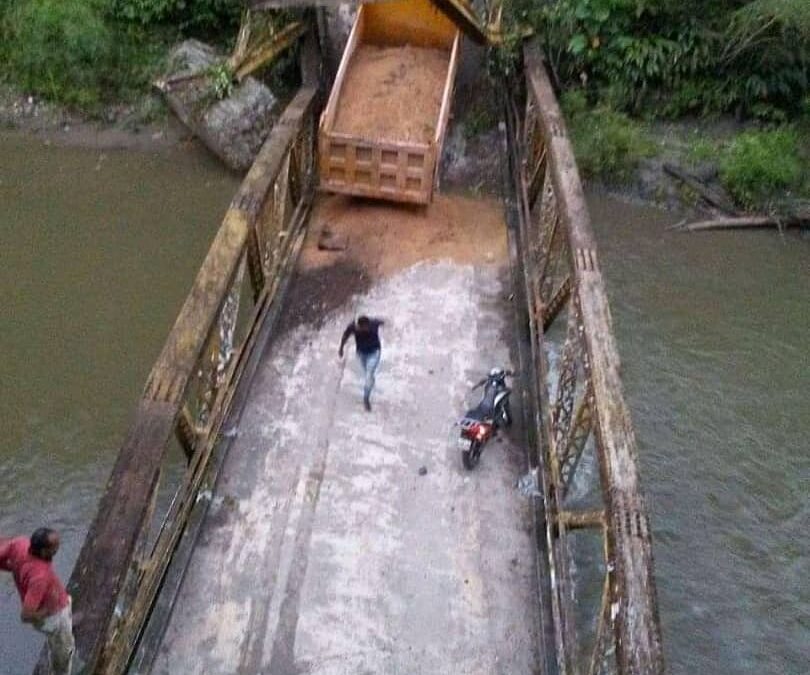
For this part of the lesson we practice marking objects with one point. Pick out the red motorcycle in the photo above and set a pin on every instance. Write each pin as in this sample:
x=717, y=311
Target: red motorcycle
x=481, y=423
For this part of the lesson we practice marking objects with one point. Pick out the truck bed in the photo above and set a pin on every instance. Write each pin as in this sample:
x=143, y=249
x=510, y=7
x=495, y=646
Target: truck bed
x=393, y=93
x=382, y=130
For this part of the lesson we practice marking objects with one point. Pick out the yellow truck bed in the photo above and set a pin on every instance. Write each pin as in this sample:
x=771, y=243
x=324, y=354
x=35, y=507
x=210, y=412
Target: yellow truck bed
x=382, y=130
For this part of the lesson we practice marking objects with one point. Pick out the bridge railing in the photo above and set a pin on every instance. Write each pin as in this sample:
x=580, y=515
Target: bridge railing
x=189, y=394
x=596, y=519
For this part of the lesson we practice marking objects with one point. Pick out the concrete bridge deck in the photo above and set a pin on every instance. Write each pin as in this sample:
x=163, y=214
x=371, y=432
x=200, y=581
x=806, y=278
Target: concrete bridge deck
x=324, y=550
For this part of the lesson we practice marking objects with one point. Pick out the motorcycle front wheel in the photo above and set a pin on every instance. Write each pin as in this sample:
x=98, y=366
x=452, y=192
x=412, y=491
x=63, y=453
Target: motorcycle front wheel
x=470, y=457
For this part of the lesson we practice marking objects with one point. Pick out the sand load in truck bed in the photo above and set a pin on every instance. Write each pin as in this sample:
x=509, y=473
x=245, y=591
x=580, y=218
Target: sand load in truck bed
x=393, y=93
x=383, y=127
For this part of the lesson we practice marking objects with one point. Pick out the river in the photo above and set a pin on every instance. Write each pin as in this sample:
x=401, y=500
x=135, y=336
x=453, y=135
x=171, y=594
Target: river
x=713, y=334
x=98, y=250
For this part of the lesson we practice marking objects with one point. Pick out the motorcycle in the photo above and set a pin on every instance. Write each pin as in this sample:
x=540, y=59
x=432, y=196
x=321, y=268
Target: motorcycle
x=481, y=423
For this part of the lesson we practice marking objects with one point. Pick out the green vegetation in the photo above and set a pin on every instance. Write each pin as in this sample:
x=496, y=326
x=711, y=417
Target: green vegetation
x=760, y=167
x=607, y=143
x=202, y=18
x=671, y=57
x=702, y=150
x=222, y=79
x=85, y=53
x=757, y=165
x=634, y=60
x=54, y=47
x=480, y=117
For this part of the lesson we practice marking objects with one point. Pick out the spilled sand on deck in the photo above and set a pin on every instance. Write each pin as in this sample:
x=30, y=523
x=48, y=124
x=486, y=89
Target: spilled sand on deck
x=383, y=238
x=380, y=239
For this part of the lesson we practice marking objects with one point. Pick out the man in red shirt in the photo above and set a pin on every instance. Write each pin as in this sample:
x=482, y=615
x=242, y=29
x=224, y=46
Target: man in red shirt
x=45, y=603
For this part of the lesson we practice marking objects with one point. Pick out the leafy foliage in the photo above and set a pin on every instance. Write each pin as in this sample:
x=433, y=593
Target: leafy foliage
x=669, y=57
x=607, y=143
x=87, y=52
x=758, y=164
x=55, y=48
x=199, y=17
x=221, y=80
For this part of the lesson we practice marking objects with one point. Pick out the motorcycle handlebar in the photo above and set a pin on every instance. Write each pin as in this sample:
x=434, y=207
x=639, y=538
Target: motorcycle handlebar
x=507, y=373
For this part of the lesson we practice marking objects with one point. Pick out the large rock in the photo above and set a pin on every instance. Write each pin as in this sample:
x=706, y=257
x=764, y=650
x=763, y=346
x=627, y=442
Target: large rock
x=235, y=127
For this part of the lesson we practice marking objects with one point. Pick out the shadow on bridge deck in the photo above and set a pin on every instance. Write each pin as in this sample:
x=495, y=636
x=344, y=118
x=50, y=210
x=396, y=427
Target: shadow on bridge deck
x=324, y=551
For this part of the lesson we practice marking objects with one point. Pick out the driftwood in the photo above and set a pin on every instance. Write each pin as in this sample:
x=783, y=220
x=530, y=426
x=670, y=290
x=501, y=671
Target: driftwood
x=791, y=216
x=714, y=198
x=743, y=222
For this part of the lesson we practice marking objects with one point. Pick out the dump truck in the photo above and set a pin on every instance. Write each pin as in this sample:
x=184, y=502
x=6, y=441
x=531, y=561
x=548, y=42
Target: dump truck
x=382, y=130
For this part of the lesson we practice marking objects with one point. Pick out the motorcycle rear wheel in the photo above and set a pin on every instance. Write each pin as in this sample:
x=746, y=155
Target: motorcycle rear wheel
x=470, y=457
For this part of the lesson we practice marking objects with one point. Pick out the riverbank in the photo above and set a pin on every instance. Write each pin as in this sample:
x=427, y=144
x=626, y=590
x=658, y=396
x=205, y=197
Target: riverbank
x=627, y=159
x=695, y=163
x=145, y=126
x=724, y=165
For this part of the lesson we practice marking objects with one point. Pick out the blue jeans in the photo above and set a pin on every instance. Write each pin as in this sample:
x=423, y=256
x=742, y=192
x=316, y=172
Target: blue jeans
x=369, y=362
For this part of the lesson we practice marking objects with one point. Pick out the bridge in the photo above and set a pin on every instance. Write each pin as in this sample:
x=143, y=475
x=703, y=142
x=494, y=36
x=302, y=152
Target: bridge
x=258, y=520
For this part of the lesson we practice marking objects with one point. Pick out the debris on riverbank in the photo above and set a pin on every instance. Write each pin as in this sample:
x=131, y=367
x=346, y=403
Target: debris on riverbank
x=232, y=126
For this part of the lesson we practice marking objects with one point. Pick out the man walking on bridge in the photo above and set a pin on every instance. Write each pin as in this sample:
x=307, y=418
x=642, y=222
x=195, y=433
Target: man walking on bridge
x=45, y=603
x=367, y=343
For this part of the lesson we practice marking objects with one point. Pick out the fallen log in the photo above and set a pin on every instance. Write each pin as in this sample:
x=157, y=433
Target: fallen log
x=744, y=222
x=714, y=198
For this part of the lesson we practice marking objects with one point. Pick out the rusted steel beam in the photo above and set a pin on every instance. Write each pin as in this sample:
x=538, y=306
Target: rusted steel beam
x=562, y=412
x=577, y=438
x=467, y=19
x=557, y=302
x=265, y=53
x=636, y=622
x=254, y=261
x=580, y=520
x=265, y=317
x=170, y=375
x=535, y=260
x=598, y=655
x=535, y=181
x=122, y=642
x=108, y=549
x=529, y=345
x=186, y=433
x=271, y=159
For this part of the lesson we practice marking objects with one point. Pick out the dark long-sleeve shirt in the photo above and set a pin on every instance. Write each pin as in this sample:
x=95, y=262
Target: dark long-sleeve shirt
x=368, y=341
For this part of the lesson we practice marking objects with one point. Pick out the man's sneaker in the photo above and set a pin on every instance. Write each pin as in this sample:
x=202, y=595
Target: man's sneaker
x=367, y=404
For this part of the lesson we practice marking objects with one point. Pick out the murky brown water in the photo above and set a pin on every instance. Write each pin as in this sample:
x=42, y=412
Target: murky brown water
x=97, y=253
x=714, y=334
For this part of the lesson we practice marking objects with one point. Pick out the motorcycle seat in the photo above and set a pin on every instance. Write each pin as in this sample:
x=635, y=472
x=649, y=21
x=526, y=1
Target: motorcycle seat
x=485, y=410
x=478, y=415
